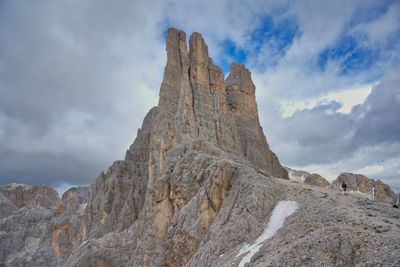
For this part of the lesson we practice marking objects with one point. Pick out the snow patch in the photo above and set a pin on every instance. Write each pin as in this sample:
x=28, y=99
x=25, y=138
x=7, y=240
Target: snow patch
x=296, y=178
x=281, y=211
x=362, y=194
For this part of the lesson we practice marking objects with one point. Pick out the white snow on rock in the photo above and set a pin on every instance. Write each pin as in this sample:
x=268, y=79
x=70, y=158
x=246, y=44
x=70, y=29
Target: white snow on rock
x=359, y=193
x=281, y=211
x=295, y=178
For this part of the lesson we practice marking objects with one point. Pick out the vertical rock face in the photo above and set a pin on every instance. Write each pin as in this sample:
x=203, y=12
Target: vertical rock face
x=214, y=122
x=75, y=197
x=360, y=183
x=242, y=102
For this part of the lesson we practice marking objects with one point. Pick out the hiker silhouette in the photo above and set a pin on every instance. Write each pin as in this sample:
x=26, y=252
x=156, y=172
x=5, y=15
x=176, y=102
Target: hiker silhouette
x=344, y=187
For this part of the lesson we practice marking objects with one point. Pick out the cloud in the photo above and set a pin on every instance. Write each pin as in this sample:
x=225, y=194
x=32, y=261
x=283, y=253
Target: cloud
x=340, y=116
x=366, y=140
x=379, y=30
x=371, y=169
x=347, y=98
x=79, y=79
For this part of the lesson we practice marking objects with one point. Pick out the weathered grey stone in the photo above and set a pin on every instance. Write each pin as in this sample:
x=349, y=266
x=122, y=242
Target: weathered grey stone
x=76, y=197
x=316, y=179
x=7, y=207
x=307, y=178
x=242, y=102
x=31, y=195
x=37, y=229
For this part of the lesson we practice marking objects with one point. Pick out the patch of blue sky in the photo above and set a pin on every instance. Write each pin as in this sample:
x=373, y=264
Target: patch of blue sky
x=352, y=57
x=232, y=53
x=277, y=34
x=272, y=37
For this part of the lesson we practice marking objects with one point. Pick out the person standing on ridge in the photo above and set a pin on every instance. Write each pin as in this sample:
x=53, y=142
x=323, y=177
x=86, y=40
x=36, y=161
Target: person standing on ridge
x=344, y=187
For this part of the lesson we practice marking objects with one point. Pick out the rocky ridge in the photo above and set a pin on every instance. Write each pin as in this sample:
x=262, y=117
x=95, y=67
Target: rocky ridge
x=38, y=226
x=22, y=195
x=361, y=184
x=306, y=177
x=199, y=183
x=356, y=184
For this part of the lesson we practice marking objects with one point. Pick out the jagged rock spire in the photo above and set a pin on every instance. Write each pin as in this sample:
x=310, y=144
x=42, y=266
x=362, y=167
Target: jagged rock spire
x=242, y=102
x=196, y=103
x=196, y=106
x=175, y=70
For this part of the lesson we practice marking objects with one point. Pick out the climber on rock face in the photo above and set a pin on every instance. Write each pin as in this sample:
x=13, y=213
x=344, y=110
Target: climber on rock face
x=396, y=205
x=344, y=187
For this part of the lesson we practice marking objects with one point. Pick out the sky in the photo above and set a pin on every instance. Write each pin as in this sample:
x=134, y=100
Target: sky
x=77, y=78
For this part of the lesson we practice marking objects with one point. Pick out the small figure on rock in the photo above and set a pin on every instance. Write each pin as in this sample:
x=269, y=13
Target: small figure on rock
x=396, y=205
x=344, y=187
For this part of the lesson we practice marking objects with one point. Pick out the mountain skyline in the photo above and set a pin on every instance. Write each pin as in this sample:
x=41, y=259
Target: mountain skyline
x=77, y=78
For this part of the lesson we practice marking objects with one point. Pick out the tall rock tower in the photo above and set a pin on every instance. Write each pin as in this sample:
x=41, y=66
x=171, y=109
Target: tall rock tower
x=187, y=151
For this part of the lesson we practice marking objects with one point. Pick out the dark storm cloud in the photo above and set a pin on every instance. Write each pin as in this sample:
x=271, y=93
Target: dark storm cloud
x=42, y=168
x=70, y=86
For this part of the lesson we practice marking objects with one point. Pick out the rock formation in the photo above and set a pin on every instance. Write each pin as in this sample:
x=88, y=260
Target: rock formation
x=197, y=186
x=362, y=184
x=307, y=178
x=241, y=101
x=76, y=197
x=36, y=195
x=193, y=114
x=316, y=179
x=183, y=154
x=36, y=227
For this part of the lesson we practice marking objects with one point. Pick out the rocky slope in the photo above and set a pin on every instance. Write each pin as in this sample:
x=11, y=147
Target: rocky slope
x=361, y=184
x=199, y=183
